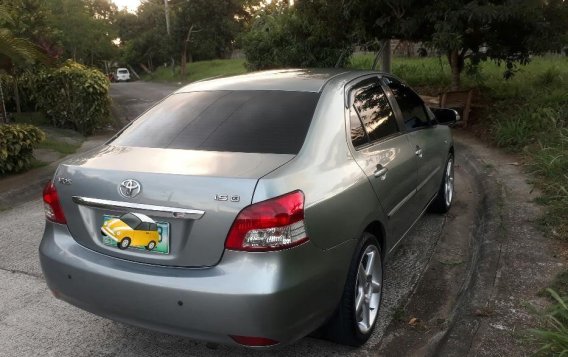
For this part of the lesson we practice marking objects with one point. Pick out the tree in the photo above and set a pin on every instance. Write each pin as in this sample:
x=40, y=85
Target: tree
x=200, y=30
x=85, y=29
x=313, y=33
x=204, y=29
x=143, y=39
x=14, y=51
x=465, y=30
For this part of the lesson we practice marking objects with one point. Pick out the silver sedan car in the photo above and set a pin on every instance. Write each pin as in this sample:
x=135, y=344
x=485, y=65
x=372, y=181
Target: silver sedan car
x=250, y=210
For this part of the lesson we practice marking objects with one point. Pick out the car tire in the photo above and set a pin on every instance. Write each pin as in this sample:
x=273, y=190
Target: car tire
x=151, y=245
x=443, y=201
x=124, y=243
x=351, y=325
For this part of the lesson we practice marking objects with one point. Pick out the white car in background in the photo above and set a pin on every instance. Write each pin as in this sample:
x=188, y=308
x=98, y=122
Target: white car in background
x=122, y=74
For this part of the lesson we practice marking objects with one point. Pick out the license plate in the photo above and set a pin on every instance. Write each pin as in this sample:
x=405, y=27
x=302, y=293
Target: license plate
x=134, y=231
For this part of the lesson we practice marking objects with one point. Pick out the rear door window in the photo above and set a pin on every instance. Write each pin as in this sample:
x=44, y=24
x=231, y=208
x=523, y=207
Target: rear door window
x=411, y=105
x=144, y=226
x=358, y=135
x=235, y=121
x=371, y=107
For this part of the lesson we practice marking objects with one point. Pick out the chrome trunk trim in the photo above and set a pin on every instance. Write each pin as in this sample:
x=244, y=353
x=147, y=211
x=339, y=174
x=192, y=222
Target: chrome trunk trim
x=183, y=213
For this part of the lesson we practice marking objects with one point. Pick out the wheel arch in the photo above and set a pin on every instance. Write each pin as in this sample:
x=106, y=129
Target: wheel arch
x=377, y=229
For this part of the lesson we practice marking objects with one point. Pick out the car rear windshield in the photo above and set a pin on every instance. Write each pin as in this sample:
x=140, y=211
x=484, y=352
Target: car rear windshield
x=123, y=71
x=235, y=121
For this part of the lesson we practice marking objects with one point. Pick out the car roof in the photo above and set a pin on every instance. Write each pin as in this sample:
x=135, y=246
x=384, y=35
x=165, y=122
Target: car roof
x=298, y=80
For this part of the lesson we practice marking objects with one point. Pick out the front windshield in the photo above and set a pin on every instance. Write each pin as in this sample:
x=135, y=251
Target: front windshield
x=131, y=220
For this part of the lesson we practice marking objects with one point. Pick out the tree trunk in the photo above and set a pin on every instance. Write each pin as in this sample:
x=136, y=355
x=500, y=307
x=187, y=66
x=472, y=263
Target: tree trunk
x=17, y=95
x=3, y=114
x=456, y=64
x=386, y=62
x=183, y=64
x=145, y=68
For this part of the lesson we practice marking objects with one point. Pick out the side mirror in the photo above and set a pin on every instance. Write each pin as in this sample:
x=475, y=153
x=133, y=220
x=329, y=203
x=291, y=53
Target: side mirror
x=446, y=116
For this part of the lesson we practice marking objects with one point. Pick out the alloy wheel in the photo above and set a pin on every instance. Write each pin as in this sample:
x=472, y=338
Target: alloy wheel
x=368, y=289
x=449, y=182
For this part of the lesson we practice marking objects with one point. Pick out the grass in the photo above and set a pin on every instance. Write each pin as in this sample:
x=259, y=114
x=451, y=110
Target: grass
x=36, y=164
x=34, y=118
x=558, y=285
x=553, y=338
x=422, y=72
x=199, y=70
x=61, y=147
x=399, y=314
x=451, y=262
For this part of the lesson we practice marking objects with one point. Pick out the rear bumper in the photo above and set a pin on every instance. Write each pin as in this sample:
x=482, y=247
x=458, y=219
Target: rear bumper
x=282, y=296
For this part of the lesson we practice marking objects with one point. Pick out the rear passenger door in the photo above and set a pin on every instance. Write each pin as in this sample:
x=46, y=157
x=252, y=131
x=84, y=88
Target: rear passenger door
x=384, y=154
x=425, y=138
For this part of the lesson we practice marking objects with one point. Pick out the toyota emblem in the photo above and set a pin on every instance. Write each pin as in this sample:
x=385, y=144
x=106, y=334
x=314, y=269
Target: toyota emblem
x=129, y=188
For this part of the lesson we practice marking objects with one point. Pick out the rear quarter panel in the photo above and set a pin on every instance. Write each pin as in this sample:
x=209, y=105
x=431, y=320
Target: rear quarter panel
x=339, y=200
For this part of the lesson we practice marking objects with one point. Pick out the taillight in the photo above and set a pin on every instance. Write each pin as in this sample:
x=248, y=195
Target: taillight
x=274, y=224
x=51, y=204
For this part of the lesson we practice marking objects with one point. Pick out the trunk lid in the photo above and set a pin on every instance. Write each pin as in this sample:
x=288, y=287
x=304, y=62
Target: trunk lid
x=193, y=195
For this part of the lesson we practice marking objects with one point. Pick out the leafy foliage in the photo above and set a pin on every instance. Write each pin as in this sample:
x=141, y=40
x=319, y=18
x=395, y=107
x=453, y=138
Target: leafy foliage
x=85, y=29
x=13, y=48
x=465, y=30
x=72, y=96
x=16, y=146
x=199, y=30
x=312, y=34
x=30, y=20
x=16, y=49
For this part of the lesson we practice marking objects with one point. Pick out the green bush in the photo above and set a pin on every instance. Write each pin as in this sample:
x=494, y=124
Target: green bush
x=71, y=96
x=16, y=146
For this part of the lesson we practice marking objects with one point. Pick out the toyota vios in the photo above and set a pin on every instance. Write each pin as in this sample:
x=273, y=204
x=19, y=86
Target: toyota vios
x=276, y=196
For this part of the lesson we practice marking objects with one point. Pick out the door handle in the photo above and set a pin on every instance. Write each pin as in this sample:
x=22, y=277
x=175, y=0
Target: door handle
x=418, y=151
x=381, y=172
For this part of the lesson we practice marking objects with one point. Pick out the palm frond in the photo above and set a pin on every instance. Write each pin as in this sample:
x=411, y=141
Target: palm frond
x=5, y=17
x=19, y=50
